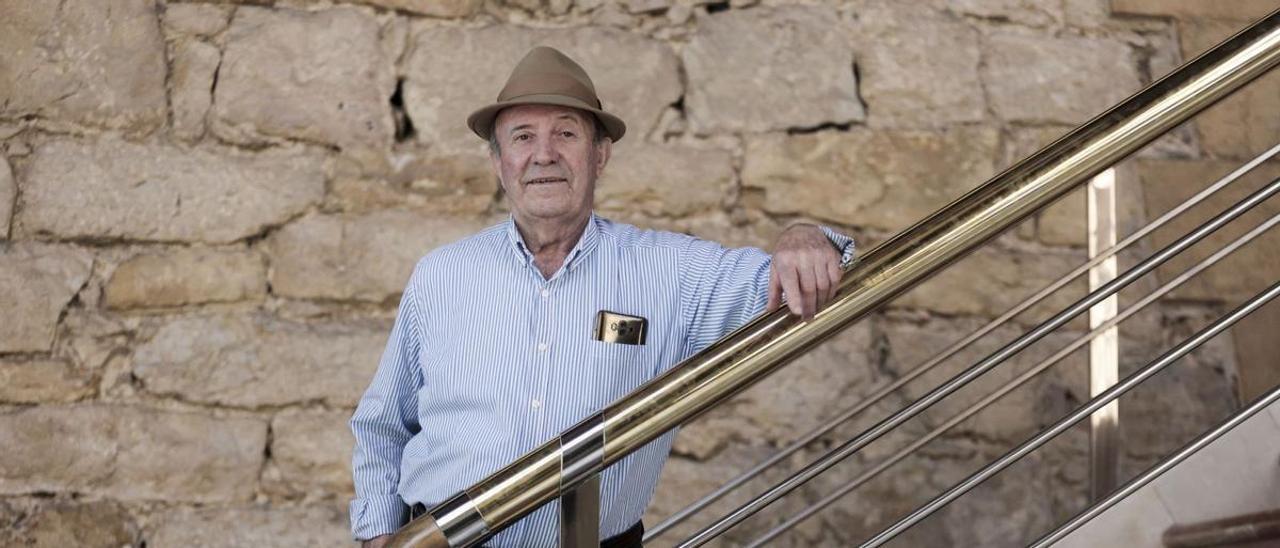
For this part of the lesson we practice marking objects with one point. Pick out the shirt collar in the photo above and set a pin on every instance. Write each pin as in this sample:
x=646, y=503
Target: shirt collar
x=586, y=243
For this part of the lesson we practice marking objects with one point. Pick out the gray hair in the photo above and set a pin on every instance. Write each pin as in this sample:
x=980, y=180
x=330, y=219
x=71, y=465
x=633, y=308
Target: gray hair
x=598, y=134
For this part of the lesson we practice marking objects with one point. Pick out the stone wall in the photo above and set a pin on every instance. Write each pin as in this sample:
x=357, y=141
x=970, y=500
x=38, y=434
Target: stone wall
x=208, y=211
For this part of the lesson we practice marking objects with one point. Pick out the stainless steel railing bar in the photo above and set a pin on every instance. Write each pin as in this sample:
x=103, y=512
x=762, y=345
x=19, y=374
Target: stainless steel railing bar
x=959, y=381
x=952, y=350
x=1076, y=416
x=1156, y=471
x=1019, y=381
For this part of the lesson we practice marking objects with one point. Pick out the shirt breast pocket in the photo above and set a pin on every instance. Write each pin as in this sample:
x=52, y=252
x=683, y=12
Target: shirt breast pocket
x=616, y=368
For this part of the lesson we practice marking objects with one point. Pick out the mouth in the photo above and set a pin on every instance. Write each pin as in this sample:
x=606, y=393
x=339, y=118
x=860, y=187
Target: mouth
x=545, y=181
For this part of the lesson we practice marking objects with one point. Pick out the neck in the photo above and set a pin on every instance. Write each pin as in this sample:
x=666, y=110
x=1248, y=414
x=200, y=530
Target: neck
x=550, y=240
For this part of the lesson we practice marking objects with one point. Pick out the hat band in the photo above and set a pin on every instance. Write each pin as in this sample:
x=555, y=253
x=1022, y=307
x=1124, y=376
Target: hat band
x=526, y=96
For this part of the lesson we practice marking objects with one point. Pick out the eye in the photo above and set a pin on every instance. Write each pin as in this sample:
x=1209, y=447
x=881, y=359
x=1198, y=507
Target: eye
x=568, y=134
x=521, y=137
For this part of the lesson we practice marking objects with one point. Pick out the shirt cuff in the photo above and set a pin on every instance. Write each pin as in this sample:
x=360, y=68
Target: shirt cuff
x=376, y=516
x=844, y=244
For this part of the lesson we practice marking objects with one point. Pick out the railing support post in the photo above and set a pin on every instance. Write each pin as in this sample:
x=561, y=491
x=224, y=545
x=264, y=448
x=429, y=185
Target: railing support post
x=580, y=515
x=1104, y=351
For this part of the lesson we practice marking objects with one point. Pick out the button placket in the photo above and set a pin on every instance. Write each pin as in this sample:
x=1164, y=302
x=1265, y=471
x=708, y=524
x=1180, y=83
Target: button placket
x=542, y=358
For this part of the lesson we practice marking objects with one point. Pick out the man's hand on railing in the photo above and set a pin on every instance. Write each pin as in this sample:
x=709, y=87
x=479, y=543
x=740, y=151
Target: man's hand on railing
x=806, y=267
x=376, y=542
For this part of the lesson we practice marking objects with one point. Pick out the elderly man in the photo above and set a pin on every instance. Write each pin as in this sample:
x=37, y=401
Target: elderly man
x=496, y=346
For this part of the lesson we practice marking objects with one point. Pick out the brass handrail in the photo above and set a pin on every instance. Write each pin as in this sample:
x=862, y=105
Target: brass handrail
x=951, y=350
x=1017, y=382
x=748, y=354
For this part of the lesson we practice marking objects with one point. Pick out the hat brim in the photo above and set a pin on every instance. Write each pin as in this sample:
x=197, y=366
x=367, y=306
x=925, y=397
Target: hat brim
x=481, y=121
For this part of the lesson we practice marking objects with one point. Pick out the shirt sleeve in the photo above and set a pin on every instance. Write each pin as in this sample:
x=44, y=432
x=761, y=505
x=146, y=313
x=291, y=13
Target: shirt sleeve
x=844, y=244
x=722, y=289
x=384, y=421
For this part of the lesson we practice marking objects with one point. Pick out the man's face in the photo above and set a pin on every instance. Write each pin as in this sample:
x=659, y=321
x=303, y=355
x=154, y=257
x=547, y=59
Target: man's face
x=547, y=161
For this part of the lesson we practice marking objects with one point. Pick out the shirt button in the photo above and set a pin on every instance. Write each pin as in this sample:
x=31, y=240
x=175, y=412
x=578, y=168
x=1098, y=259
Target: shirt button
x=536, y=404
x=542, y=347
x=546, y=293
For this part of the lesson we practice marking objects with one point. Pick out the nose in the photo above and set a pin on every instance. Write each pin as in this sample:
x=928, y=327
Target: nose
x=544, y=153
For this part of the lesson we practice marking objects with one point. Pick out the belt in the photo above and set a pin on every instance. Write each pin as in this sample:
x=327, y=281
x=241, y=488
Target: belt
x=631, y=538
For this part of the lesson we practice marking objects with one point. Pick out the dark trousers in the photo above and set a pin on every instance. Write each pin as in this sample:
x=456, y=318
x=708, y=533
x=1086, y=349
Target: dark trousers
x=631, y=538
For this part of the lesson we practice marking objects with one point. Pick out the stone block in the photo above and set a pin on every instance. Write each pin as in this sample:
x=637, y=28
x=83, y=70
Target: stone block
x=883, y=179
x=43, y=380
x=130, y=453
x=450, y=9
x=1087, y=13
x=1185, y=399
x=990, y=281
x=1026, y=12
x=91, y=338
x=254, y=361
x=8, y=193
x=846, y=523
x=664, y=180
x=116, y=189
x=311, y=453
x=1243, y=10
x=311, y=75
x=770, y=69
x=1256, y=349
x=186, y=276
x=1065, y=222
x=262, y=525
x=366, y=257
x=1167, y=183
x=194, y=64
x=1012, y=508
x=1240, y=126
x=684, y=480
x=924, y=78
x=1015, y=416
x=1065, y=80
x=197, y=19
x=51, y=523
x=99, y=63
x=830, y=376
x=428, y=181
x=38, y=281
x=635, y=77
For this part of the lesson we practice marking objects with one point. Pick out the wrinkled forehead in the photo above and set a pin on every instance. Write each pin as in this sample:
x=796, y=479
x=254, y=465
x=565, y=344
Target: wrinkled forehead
x=537, y=116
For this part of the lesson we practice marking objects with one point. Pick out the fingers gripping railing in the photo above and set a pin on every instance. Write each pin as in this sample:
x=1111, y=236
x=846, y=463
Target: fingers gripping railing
x=745, y=356
x=951, y=350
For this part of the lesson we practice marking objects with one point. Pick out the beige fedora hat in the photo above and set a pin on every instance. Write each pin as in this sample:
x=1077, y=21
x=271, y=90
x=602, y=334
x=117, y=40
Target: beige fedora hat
x=547, y=77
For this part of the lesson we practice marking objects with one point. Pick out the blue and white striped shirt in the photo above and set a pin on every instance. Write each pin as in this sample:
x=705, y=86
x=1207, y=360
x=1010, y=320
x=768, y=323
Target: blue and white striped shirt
x=488, y=360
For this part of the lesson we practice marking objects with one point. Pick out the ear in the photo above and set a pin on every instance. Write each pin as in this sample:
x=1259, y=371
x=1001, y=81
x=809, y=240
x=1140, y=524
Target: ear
x=495, y=165
x=603, y=150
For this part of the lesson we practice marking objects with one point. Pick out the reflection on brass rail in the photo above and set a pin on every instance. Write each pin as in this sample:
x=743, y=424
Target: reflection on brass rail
x=747, y=355
x=1012, y=385
x=950, y=351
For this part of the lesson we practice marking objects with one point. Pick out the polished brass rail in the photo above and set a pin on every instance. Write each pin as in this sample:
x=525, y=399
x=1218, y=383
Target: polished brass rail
x=1017, y=382
x=758, y=348
x=879, y=393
